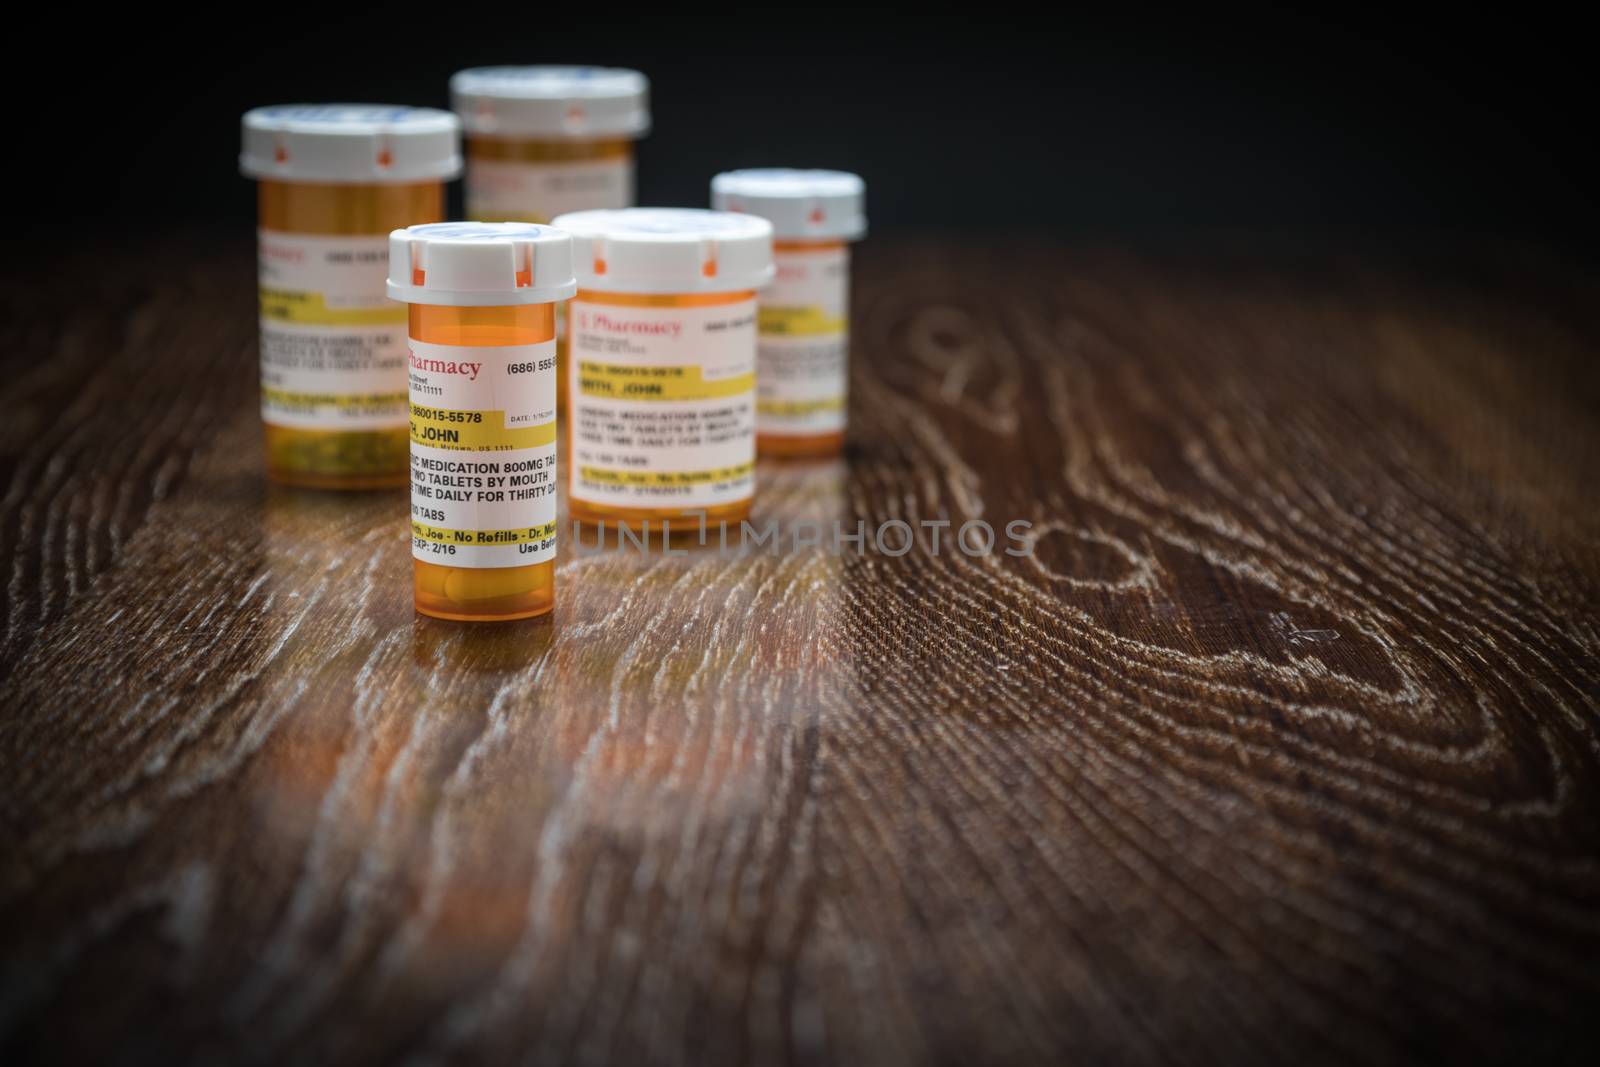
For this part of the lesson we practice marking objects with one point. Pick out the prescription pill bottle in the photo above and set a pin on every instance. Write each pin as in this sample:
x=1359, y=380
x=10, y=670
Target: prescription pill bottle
x=482, y=361
x=334, y=179
x=548, y=140
x=804, y=348
x=661, y=365
x=544, y=141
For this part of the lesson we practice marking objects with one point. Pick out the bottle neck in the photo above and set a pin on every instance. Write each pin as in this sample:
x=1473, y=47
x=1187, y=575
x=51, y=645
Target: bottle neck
x=514, y=149
x=658, y=300
x=791, y=244
x=338, y=209
x=520, y=324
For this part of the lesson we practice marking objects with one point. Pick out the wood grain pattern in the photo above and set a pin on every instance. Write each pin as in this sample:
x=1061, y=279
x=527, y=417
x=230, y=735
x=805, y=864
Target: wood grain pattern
x=1282, y=746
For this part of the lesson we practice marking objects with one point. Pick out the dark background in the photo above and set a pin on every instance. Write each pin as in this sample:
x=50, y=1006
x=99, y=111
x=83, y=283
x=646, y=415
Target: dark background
x=1094, y=128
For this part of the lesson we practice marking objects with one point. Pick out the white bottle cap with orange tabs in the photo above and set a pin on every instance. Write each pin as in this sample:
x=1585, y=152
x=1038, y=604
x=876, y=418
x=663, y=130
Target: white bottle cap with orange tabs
x=552, y=103
x=480, y=264
x=669, y=250
x=818, y=205
x=351, y=143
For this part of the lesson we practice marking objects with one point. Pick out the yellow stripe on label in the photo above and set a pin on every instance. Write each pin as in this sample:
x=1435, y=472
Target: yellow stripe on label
x=796, y=408
x=311, y=309
x=286, y=399
x=526, y=535
x=617, y=381
x=606, y=476
x=810, y=321
x=475, y=431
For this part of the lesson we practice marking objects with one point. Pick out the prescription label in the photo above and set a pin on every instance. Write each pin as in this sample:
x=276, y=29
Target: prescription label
x=483, y=454
x=663, y=404
x=804, y=343
x=500, y=191
x=333, y=349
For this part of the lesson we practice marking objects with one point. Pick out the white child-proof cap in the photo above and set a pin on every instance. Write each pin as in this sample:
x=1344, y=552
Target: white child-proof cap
x=350, y=143
x=669, y=250
x=800, y=204
x=560, y=103
x=480, y=264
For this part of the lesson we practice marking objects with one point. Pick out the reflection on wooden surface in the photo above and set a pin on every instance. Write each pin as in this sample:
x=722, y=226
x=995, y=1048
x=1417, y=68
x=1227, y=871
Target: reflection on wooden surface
x=1280, y=744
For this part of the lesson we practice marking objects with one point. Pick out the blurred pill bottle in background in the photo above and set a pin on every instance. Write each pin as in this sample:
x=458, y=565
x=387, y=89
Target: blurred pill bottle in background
x=544, y=141
x=333, y=181
x=660, y=365
x=804, y=347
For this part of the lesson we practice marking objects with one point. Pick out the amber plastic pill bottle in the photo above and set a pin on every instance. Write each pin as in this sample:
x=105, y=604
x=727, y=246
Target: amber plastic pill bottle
x=661, y=365
x=333, y=181
x=544, y=141
x=804, y=347
x=481, y=355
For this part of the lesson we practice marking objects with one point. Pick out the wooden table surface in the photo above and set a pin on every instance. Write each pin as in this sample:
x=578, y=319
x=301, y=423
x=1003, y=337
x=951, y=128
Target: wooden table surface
x=1281, y=746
